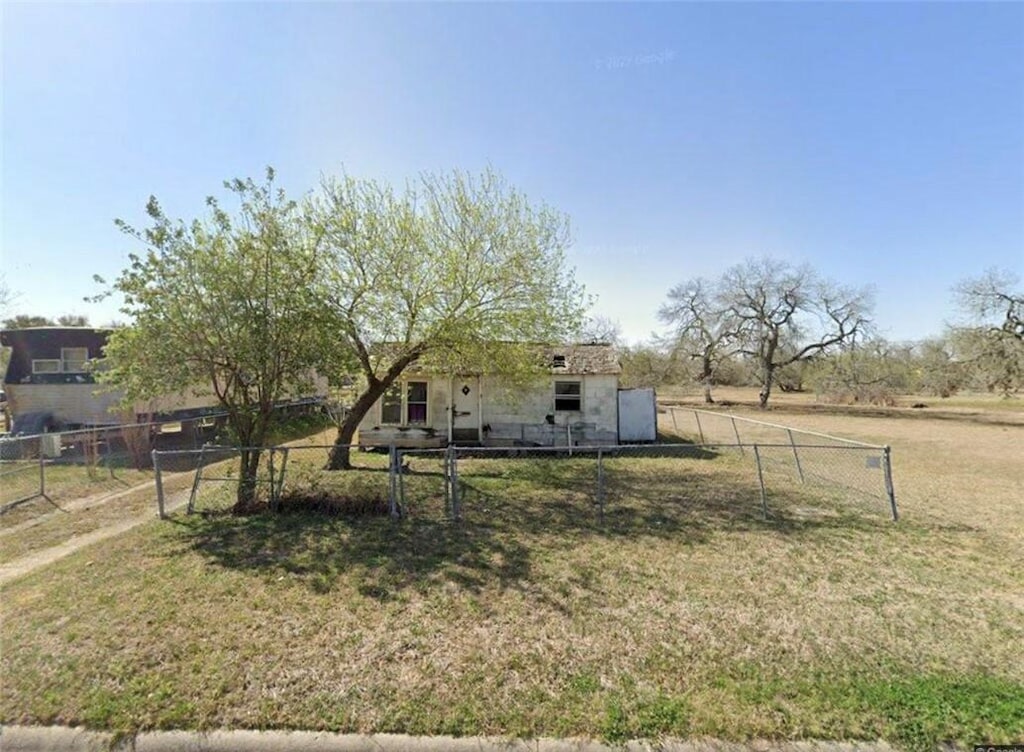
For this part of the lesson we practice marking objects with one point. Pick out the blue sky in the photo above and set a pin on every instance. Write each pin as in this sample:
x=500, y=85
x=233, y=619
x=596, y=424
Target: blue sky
x=882, y=143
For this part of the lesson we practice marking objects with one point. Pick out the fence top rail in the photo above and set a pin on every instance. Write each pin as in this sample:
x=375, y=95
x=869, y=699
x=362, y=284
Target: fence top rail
x=105, y=428
x=780, y=427
x=207, y=448
x=588, y=448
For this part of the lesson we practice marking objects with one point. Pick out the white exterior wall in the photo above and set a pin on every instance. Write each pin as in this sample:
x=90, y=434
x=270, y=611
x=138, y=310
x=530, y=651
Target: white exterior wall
x=92, y=404
x=71, y=403
x=512, y=415
x=521, y=416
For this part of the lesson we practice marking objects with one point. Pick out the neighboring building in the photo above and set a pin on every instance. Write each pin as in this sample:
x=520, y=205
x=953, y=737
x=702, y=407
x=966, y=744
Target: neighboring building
x=577, y=404
x=49, y=384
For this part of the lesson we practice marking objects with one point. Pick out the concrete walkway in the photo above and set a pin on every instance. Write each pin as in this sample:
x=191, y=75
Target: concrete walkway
x=22, y=566
x=60, y=739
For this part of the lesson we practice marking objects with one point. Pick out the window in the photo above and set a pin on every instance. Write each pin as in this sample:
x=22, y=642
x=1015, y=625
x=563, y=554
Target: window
x=414, y=407
x=568, y=396
x=391, y=405
x=416, y=402
x=558, y=361
x=45, y=366
x=74, y=358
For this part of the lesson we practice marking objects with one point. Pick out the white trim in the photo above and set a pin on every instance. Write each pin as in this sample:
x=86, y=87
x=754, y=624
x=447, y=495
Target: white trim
x=37, y=362
x=579, y=397
x=65, y=360
x=403, y=387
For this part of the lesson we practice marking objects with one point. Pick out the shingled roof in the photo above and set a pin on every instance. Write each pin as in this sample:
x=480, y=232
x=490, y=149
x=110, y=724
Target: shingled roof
x=595, y=358
x=568, y=359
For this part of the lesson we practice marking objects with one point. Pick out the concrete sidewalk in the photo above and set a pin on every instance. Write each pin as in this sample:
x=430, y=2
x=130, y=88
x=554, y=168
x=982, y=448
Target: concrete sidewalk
x=61, y=739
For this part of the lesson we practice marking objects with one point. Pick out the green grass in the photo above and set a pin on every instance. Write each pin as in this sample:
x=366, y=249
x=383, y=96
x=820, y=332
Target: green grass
x=679, y=613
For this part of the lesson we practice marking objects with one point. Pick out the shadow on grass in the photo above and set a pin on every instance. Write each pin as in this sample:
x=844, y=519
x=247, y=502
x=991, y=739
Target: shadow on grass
x=512, y=513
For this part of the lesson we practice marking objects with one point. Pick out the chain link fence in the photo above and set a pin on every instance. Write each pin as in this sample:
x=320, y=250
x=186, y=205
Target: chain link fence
x=805, y=457
x=99, y=461
x=638, y=483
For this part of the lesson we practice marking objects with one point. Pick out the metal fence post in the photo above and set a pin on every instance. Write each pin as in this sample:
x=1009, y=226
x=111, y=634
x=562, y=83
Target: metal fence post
x=760, y=479
x=456, y=501
x=796, y=455
x=284, y=466
x=392, y=483
x=447, y=479
x=273, y=486
x=600, y=484
x=195, y=483
x=42, y=472
x=739, y=442
x=401, y=486
x=159, y=484
x=889, y=489
x=700, y=428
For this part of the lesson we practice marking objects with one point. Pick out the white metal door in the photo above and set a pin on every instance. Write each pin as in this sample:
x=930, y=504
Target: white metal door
x=638, y=415
x=466, y=408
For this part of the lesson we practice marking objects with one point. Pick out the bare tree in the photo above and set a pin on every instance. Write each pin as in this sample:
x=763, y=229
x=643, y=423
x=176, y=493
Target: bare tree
x=601, y=330
x=992, y=301
x=789, y=314
x=703, y=330
x=991, y=346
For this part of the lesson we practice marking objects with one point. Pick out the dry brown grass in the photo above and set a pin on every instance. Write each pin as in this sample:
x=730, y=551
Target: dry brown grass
x=681, y=613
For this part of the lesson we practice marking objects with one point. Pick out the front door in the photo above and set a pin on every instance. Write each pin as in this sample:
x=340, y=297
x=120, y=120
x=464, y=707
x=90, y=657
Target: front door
x=466, y=409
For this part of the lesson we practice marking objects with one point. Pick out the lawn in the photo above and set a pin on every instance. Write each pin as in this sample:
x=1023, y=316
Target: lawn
x=680, y=613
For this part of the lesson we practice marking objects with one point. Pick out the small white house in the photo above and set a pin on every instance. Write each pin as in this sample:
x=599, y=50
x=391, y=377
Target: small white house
x=576, y=404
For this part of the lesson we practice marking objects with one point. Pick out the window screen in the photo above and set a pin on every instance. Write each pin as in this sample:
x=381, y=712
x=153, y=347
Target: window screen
x=567, y=396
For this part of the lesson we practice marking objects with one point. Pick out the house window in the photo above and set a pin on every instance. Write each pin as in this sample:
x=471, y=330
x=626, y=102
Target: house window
x=410, y=404
x=558, y=361
x=391, y=405
x=74, y=359
x=416, y=402
x=45, y=366
x=568, y=396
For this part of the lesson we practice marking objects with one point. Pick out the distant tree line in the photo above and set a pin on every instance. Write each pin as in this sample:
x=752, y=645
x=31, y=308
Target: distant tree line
x=765, y=323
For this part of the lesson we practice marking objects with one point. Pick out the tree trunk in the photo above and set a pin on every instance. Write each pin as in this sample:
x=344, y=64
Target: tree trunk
x=767, y=376
x=706, y=380
x=248, y=468
x=339, y=458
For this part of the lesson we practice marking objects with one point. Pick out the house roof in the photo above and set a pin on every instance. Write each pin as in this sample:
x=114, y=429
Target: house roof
x=597, y=358
x=568, y=359
x=46, y=343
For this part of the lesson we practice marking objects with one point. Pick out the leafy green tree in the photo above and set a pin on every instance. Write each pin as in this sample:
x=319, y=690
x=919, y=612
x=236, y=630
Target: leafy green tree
x=224, y=304
x=648, y=364
x=72, y=319
x=27, y=321
x=457, y=272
